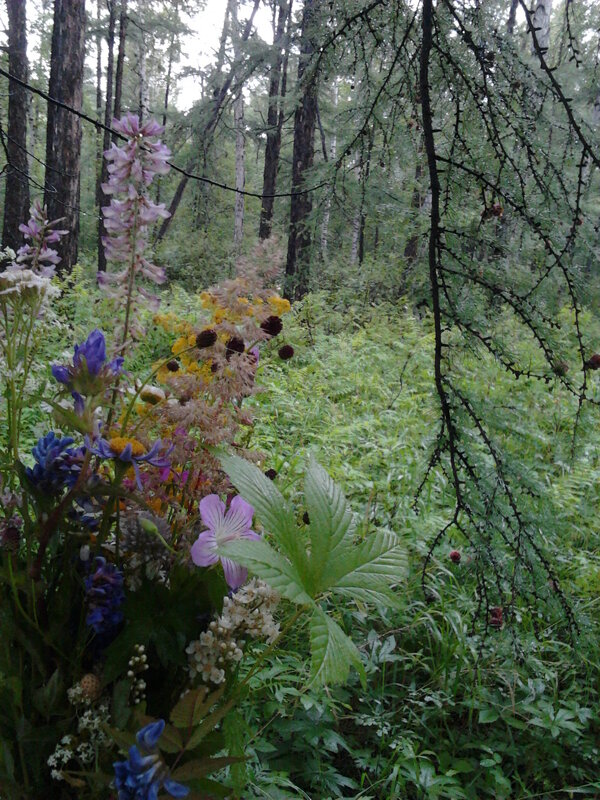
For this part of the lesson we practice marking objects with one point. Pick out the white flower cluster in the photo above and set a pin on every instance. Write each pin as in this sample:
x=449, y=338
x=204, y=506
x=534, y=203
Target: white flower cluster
x=248, y=613
x=91, y=736
x=26, y=284
x=61, y=756
x=138, y=663
x=92, y=722
x=77, y=696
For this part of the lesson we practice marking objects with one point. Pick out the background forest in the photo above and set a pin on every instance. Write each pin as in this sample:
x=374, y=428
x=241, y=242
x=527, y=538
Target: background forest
x=421, y=181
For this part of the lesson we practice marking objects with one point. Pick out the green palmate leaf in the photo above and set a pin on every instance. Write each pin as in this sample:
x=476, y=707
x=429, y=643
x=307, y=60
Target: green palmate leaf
x=189, y=708
x=360, y=571
x=266, y=563
x=379, y=560
x=203, y=766
x=332, y=651
x=363, y=591
x=330, y=520
x=210, y=721
x=123, y=739
x=269, y=505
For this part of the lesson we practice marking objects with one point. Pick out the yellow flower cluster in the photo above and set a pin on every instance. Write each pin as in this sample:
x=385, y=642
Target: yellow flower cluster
x=279, y=304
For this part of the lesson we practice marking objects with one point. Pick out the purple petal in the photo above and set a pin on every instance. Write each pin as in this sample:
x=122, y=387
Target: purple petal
x=238, y=518
x=149, y=735
x=235, y=575
x=60, y=373
x=212, y=511
x=79, y=405
x=176, y=789
x=204, y=549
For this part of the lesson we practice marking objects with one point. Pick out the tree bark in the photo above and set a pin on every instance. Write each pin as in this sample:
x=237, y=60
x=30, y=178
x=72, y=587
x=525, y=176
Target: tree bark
x=300, y=239
x=240, y=147
x=206, y=132
x=101, y=198
x=512, y=17
x=541, y=22
x=120, y=62
x=327, y=212
x=63, y=130
x=143, y=98
x=273, y=145
x=16, y=198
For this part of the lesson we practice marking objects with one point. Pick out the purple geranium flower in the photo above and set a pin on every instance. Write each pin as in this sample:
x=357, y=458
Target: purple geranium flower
x=223, y=526
x=130, y=451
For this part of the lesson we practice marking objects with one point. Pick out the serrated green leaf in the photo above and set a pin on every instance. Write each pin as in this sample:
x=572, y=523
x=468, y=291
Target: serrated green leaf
x=123, y=739
x=269, y=506
x=333, y=653
x=381, y=556
x=203, y=766
x=186, y=710
x=209, y=723
x=266, y=563
x=330, y=520
x=366, y=590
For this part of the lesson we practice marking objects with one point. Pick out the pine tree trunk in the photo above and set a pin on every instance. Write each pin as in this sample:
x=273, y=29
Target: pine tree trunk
x=16, y=198
x=327, y=212
x=541, y=23
x=120, y=61
x=240, y=145
x=300, y=239
x=101, y=198
x=512, y=17
x=273, y=144
x=166, y=97
x=63, y=130
x=143, y=98
x=240, y=172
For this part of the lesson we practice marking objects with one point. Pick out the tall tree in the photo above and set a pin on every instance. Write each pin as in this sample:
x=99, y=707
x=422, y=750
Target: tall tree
x=541, y=24
x=512, y=17
x=101, y=198
x=63, y=130
x=240, y=144
x=327, y=212
x=123, y=19
x=273, y=145
x=16, y=202
x=305, y=118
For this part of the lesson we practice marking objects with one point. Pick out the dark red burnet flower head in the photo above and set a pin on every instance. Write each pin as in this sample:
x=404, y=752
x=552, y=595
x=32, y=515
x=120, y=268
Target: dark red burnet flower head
x=206, y=338
x=234, y=345
x=455, y=556
x=286, y=352
x=271, y=474
x=10, y=533
x=272, y=325
x=593, y=362
x=173, y=365
x=496, y=616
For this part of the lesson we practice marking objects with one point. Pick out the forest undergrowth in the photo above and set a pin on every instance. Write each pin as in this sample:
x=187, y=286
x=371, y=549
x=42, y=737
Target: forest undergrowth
x=454, y=706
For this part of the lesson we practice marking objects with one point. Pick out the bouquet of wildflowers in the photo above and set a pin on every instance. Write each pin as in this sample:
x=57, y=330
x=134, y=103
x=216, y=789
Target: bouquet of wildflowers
x=128, y=535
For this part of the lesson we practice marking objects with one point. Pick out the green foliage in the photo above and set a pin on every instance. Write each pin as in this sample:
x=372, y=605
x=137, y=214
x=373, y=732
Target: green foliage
x=332, y=565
